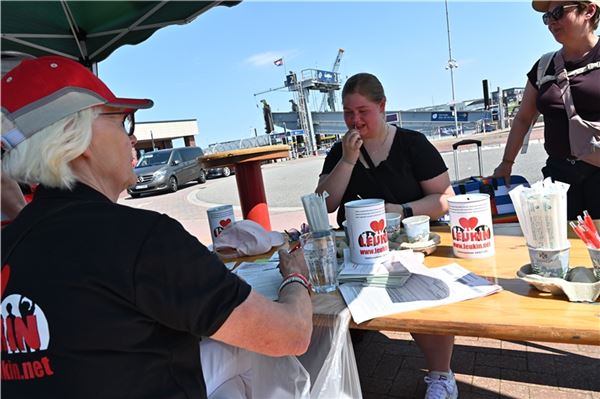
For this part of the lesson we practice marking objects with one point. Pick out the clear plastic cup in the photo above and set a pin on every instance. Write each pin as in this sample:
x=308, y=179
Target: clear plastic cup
x=320, y=254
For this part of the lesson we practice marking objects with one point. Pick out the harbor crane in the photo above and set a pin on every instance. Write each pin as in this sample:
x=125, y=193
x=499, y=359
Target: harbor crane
x=329, y=96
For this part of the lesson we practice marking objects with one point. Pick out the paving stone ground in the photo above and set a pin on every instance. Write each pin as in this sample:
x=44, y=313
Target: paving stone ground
x=391, y=366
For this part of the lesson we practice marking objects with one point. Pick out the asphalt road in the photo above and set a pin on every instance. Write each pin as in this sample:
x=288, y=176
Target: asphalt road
x=285, y=182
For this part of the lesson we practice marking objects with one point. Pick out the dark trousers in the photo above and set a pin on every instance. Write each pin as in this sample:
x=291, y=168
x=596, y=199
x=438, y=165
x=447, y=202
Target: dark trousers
x=584, y=185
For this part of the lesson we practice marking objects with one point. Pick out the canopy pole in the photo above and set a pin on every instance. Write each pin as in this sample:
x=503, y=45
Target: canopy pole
x=77, y=33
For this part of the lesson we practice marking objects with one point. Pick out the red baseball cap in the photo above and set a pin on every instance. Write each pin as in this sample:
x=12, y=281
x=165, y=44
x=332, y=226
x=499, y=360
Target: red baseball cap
x=42, y=91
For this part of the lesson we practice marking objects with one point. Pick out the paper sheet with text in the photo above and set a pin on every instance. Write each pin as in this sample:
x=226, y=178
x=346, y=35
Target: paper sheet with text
x=425, y=288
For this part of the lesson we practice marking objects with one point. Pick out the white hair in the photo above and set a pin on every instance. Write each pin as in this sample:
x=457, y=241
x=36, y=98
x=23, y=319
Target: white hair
x=45, y=157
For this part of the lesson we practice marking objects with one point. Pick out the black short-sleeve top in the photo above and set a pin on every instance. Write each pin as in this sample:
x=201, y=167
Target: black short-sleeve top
x=107, y=301
x=585, y=89
x=411, y=160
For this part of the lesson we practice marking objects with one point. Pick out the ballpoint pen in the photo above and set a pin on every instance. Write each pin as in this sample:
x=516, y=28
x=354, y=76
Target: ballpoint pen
x=294, y=248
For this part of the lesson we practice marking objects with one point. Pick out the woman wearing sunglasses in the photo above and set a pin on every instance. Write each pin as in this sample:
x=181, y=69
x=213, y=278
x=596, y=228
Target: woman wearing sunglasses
x=572, y=23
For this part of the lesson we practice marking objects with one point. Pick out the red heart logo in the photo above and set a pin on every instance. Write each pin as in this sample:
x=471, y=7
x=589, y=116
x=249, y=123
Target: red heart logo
x=225, y=222
x=468, y=223
x=377, y=225
x=473, y=222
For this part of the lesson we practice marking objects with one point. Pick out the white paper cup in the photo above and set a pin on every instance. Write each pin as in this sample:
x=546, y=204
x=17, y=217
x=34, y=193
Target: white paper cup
x=218, y=218
x=471, y=226
x=595, y=256
x=549, y=262
x=366, y=230
x=417, y=228
x=392, y=222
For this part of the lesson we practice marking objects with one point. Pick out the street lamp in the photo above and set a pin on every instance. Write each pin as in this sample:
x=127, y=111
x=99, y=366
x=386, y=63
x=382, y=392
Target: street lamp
x=452, y=64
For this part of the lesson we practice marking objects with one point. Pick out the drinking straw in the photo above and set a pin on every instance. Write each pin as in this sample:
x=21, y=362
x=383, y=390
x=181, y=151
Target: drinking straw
x=559, y=225
x=316, y=211
x=515, y=196
x=579, y=233
x=589, y=222
x=593, y=239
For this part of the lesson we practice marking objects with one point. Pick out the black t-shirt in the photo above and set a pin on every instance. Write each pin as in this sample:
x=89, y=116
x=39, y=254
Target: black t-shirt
x=101, y=300
x=412, y=159
x=585, y=89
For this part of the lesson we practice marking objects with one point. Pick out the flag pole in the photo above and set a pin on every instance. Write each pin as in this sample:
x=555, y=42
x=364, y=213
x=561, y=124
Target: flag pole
x=284, y=70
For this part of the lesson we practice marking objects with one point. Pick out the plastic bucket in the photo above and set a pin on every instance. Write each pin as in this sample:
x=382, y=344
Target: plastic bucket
x=366, y=230
x=218, y=218
x=471, y=226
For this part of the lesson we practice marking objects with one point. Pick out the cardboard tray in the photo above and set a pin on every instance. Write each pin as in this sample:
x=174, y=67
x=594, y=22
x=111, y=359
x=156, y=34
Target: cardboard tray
x=575, y=291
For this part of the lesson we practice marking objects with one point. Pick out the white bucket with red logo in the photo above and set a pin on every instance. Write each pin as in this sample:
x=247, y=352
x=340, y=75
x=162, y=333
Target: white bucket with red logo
x=365, y=221
x=218, y=218
x=471, y=226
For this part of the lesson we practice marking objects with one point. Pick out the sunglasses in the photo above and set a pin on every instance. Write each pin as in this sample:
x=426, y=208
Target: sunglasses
x=557, y=13
x=128, y=121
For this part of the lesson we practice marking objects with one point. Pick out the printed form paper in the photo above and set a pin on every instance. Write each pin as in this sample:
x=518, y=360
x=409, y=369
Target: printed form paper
x=264, y=277
x=425, y=288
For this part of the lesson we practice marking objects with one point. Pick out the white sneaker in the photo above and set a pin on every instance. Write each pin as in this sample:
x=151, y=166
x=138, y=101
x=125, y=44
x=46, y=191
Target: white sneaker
x=441, y=387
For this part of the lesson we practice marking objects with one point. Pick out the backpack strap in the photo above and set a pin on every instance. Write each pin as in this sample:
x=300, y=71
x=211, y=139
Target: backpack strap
x=589, y=67
x=543, y=65
x=545, y=62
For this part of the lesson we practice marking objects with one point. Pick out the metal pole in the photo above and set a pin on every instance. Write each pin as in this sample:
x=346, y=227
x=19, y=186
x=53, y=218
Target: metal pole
x=451, y=65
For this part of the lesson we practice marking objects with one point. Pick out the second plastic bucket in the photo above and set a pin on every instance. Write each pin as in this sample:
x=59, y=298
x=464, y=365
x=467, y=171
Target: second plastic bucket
x=366, y=230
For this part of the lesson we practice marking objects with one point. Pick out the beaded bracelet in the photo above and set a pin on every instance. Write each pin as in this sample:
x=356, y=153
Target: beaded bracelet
x=294, y=278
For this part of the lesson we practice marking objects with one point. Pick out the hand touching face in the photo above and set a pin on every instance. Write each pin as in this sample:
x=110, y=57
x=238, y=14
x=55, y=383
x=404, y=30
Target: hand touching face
x=351, y=143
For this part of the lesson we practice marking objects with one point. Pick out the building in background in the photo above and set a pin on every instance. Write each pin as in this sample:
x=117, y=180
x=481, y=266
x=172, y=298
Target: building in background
x=160, y=134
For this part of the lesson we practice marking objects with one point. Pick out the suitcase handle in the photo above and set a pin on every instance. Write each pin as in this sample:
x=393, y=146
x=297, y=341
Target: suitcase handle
x=466, y=142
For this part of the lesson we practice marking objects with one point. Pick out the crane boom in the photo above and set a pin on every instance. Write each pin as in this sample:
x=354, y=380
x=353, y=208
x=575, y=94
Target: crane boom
x=329, y=97
x=338, y=59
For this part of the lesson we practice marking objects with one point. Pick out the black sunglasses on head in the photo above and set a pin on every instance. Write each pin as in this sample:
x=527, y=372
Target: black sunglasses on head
x=128, y=121
x=557, y=13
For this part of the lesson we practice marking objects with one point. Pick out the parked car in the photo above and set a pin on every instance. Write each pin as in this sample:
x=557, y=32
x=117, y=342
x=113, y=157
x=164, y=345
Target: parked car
x=218, y=172
x=166, y=170
x=449, y=131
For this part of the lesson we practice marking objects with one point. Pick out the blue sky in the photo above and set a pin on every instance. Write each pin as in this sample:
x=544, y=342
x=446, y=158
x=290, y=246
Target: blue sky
x=210, y=68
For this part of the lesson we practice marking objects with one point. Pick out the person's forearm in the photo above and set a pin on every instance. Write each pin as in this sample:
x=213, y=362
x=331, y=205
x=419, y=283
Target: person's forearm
x=335, y=184
x=271, y=328
x=433, y=205
x=299, y=307
x=515, y=139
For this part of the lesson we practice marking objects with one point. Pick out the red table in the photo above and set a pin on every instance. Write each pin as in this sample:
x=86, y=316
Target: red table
x=248, y=176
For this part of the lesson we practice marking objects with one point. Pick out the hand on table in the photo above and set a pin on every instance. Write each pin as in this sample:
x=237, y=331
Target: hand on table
x=292, y=263
x=351, y=143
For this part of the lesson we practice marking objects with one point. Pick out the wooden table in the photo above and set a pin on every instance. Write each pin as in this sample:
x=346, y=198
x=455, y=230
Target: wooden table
x=519, y=312
x=248, y=176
